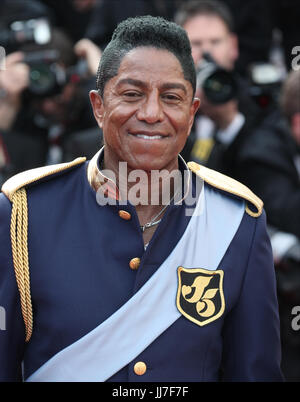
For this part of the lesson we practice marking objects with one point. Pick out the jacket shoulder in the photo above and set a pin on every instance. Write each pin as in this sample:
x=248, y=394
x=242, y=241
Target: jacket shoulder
x=229, y=185
x=36, y=175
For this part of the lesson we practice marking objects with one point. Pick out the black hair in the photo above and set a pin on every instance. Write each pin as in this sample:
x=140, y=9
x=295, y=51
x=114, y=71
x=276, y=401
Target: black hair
x=145, y=31
x=214, y=8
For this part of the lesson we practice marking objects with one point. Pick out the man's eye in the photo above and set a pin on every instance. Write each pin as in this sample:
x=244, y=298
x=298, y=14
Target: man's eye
x=171, y=98
x=132, y=95
x=216, y=42
x=196, y=44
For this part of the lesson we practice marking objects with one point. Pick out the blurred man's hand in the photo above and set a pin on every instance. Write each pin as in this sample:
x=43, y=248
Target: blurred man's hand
x=15, y=78
x=87, y=50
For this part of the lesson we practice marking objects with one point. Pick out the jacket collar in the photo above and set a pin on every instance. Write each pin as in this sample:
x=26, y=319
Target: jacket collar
x=97, y=177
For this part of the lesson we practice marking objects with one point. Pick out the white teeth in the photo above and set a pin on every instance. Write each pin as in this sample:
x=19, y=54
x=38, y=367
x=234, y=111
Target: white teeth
x=149, y=137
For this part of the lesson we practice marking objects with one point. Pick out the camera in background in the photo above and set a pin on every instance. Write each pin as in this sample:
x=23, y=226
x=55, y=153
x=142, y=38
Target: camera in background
x=35, y=38
x=47, y=76
x=36, y=31
x=220, y=85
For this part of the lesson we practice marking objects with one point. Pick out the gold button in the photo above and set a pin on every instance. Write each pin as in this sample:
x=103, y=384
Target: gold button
x=135, y=263
x=124, y=215
x=140, y=368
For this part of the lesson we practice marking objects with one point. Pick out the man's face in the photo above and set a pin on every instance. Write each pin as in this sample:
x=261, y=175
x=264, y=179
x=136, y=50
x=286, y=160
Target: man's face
x=147, y=111
x=210, y=34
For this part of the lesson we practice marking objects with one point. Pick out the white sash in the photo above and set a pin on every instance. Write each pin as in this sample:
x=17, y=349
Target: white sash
x=123, y=336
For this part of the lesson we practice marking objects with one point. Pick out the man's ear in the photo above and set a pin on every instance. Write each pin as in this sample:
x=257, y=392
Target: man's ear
x=234, y=48
x=97, y=105
x=193, y=110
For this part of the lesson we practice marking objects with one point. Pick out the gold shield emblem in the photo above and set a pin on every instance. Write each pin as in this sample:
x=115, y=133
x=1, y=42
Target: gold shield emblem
x=200, y=296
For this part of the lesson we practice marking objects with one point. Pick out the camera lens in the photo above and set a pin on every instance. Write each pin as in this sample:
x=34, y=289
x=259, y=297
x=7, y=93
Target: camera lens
x=42, y=79
x=219, y=87
x=46, y=79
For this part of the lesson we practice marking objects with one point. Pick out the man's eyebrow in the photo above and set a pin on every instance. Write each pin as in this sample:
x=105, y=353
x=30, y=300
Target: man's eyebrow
x=174, y=85
x=131, y=81
x=142, y=84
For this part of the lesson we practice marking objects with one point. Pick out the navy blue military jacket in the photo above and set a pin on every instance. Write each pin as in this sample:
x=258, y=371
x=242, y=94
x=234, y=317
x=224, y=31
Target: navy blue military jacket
x=79, y=256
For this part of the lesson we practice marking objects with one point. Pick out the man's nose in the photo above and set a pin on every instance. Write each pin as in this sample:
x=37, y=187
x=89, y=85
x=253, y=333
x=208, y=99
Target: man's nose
x=207, y=47
x=151, y=109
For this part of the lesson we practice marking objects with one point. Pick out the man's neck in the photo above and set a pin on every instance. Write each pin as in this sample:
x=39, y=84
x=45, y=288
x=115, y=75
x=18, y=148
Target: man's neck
x=154, y=188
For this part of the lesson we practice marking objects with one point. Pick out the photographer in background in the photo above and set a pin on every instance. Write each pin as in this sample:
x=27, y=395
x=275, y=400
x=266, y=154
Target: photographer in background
x=229, y=113
x=17, y=151
x=271, y=160
x=43, y=100
x=271, y=166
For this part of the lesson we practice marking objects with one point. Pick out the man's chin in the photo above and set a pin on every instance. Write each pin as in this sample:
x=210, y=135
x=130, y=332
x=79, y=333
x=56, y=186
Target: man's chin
x=151, y=163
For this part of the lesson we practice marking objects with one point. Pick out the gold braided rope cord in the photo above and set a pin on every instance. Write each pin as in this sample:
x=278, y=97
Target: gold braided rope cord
x=19, y=236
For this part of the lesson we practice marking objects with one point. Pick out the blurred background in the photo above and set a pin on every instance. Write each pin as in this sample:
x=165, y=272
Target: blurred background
x=247, y=57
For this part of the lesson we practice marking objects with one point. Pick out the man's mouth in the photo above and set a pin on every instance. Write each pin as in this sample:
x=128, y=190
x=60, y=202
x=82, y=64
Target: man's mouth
x=148, y=136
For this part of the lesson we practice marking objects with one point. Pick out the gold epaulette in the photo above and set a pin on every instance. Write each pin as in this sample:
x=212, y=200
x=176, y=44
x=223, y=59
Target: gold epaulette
x=15, y=190
x=229, y=185
x=23, y=179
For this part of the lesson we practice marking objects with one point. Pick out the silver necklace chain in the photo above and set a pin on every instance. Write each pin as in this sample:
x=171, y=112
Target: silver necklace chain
x=154, y=222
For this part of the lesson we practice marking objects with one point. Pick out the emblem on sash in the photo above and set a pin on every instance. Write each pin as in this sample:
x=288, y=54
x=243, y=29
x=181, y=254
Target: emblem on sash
x=200, y=296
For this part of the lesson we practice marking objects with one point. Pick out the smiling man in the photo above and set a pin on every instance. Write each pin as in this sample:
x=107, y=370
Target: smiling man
x=147, y=111
x=182, y=289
